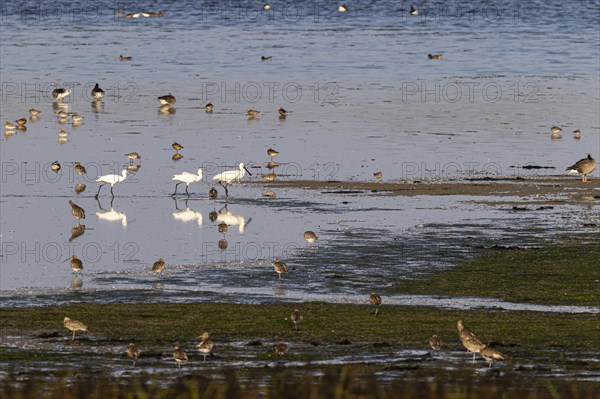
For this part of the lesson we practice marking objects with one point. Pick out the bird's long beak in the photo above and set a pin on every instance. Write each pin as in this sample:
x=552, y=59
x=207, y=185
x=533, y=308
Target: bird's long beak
x=66, y=259
x=248, y=171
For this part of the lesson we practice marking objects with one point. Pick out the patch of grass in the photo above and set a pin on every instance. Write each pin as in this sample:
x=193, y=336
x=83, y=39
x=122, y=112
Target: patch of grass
x=564, y=275
x=405, y=326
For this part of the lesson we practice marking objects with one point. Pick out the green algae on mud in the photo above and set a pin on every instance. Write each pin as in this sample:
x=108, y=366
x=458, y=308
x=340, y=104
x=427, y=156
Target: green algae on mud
x=403, y=326
x=559, y=275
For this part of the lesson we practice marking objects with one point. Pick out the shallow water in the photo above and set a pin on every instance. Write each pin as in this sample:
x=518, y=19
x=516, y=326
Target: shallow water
x=370, y=100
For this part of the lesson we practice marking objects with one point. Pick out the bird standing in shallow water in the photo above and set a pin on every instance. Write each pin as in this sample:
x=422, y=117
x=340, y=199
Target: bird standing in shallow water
x=583, y=166
x=55, y=166
x=60, y=93
x=229, y=176
x=435, y=56
x=76, y=264
x=34, y=112
x=272, y=153
x=133, y=352
x=469, y=339
x=168, y=99
x=77, y=211
x=179, y=355
x=123, y=58
x=297, y=318
x=491, y=355
x=212, y=193
x=132, y=156
x=97, y=92
x=206, y=345
x=74, y=325
x=112, y=180
x=310, y=236
x=176, y=146
x=208, y=108
x=158, y=266
x=555, y=132
x=252, y=112
x=282, y=113
x=281, y=349
x=187, y=178
x=435, y=343
x=375, y=301
x=378, y=176
x=280, y=267
x=342, y=8
x=577, y=134
x=80, y=169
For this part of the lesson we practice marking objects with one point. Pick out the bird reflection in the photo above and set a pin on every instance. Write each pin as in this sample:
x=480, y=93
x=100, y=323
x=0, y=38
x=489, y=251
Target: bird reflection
x=134, y=168
x=77, y=231
x=166, y=109
x=112, y=215
x=76, y=283
x=223, y=244
x=232, y=219
x=79, y=188
x=97, y=105
x=213, y=215
x=187, y=215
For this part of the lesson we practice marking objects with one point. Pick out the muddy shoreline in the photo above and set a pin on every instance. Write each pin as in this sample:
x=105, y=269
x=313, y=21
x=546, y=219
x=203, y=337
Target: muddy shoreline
x=570, y=187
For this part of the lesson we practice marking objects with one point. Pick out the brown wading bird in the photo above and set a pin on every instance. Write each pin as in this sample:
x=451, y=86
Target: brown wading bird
x=158, y=266
x=583, y=166
x=213, y=193
x=168, y=99
x=375, y=301
x=280, y=267
x=123, y=58
x=132, y=156
x=435, y=342
x=76, y=264
x=297, y=318
x=21, y=121
x=179, y=355
x=272, y=153
x=435, y=56
x=60, y=93
x=282, y=113
x=281, y=349
x=310, y=236
x=80, y=169
x=223, y=227
x=252, y=112
x=577, y=134
x=74, y=325
x=133, y=352
x=77, y=211
x=55, y=166
x=208, y=108
x=491, y=355
x=176, y=146
x=34, y=112
x=468, y=339
x=378, y=176
x=266, y=58
x=206, y=345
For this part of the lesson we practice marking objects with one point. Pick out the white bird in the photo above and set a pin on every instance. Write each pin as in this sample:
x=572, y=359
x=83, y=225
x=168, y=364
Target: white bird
x=187, y=178
x=229, y=176
x=113, y=216
x=112, y=180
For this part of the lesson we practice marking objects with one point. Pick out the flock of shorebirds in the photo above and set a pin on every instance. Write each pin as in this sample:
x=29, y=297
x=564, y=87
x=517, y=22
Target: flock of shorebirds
x=205, y=347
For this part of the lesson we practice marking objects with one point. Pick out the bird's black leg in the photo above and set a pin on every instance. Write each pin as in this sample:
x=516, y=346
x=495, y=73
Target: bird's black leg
x=111, y=191
x=98, y=193
x=175, y=193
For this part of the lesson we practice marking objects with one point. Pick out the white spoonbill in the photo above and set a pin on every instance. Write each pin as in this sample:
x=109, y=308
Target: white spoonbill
x=187, y=178
x=112, y=180
x=229, y=176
